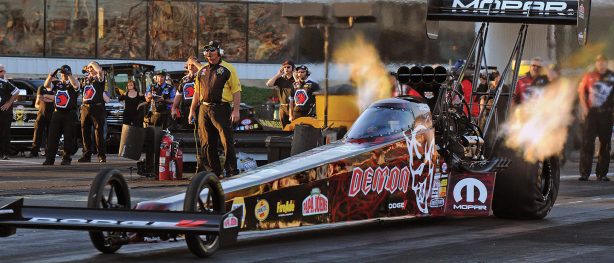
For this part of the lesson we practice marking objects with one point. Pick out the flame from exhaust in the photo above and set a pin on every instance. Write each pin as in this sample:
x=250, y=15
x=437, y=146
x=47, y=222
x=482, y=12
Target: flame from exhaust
x=367, y=72
x=538, y=127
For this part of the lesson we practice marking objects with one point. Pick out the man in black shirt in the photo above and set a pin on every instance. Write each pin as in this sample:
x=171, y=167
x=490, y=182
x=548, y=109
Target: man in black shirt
x=8, y=94
x=45, y=107
x=160, y=95
x=63, y=119
x=93, y=112
x=284, y=82
x=303, y=102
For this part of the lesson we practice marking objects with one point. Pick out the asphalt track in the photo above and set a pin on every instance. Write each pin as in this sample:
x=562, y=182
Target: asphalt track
x=580, y=228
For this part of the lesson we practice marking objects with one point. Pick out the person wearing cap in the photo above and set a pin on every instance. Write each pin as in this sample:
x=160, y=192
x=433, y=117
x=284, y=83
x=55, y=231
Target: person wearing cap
x=65, y=113
x=217, y=86
x=160, y=95
x=596, y=101
x=185, y=92
x=284, y=81
x=8, y=95
x=45, y=107
x=302, y=103
x=531, y=83
x=93, y=113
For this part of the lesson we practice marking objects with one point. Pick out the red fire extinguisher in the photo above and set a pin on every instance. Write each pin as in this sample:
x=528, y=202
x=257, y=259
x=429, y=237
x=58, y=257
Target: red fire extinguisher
x=171, y=158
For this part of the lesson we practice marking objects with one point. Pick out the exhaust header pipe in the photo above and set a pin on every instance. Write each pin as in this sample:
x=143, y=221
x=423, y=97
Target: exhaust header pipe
x=425, y=74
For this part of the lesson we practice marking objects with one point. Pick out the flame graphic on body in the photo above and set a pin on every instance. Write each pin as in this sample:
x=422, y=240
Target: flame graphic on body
x=538, y=127
x=367, y=72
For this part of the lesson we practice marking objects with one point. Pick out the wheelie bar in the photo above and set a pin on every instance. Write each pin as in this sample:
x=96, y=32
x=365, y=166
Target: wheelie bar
x=16, y=215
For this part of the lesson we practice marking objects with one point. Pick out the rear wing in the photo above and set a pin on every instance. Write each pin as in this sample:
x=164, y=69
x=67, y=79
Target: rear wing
x=16, y=215
x=550, y=12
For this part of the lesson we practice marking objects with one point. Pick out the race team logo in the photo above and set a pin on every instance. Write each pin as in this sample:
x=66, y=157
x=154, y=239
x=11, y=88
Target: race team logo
x=300, y=97
x=285, y=208
x=220, y=71
x=470, y=185
x=89, y=92
x=369, y=180
x=61, y=99
x=501, y=6
x=188, y=91
x=315, y=204
x=262, y=210
x=231, y=221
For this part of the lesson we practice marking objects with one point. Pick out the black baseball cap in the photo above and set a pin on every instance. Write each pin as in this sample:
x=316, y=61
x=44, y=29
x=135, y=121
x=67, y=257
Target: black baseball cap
x=66, y=68
x=212, y=45
x=302, y=67
x=160, y=72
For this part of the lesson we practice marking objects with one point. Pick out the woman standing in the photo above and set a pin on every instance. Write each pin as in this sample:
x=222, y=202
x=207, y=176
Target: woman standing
x=133, y=115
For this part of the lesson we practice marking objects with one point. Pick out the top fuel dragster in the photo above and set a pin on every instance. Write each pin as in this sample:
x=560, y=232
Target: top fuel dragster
x=401, y=158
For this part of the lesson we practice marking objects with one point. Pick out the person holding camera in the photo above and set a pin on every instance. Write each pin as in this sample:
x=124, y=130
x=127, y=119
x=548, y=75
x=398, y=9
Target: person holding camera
x=8, y=95
x=216, y=87
x=185, y=93
x=65, y=113
x=45, y=105
x=160, y=95
x=303, y=102
x=284, y=81
x=93, y=113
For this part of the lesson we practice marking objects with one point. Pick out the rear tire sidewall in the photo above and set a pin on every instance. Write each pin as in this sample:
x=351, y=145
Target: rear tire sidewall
x=104, y=177
x=526, y=190
x=203, y=180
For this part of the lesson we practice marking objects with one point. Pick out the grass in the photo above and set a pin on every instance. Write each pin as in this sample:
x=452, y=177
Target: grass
x=255, y=96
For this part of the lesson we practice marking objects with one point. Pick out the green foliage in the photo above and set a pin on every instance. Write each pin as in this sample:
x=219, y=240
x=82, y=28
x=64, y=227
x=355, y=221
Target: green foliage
x=255, y=96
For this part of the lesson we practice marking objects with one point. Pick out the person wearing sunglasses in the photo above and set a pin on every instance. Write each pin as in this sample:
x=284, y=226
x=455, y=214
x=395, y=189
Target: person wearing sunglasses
x=284, y=82
x=8, y=95
x=532, y=83
x=596, y=99
x=217, y=86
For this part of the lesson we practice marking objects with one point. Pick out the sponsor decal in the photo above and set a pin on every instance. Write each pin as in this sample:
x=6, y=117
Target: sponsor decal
x=398, y=205
x=439, y=191
x=61, y=99
x=300, y=97
x=315, y=204
x=444, y=167
x=239, y=202
x=6, y=211
x=421, y=184
x=231, y=221
x=181, y=223
x=89, y=92
x=429, y=94
x=246, y=121
x=261, y=210
x=285, y=208
x=501, y=6
x=220, y=71
x=470, y=185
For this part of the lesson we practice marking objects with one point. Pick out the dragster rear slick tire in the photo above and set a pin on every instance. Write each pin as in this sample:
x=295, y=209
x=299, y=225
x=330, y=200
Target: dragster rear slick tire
x=526, y=190
x=212, y=203
x=109, y=190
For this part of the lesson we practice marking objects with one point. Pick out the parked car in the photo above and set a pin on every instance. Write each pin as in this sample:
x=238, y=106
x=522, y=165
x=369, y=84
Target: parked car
x=24, y=114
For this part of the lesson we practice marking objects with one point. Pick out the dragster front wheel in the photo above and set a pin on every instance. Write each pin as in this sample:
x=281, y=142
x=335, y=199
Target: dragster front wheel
x=108, y=191
x=210, y=201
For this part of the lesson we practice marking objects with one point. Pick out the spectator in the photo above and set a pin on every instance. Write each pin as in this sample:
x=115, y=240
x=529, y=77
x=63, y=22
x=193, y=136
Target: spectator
x=132, y=114
x=8, y=94
x=303, y=102
x=595, y=94
x=531, y=83
x=63, y=119
x=216, y=86
x=284, y=82
x=160, y=95
x=45, y=107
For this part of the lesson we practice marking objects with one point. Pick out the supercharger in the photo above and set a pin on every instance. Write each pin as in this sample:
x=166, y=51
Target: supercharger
x=501, y=6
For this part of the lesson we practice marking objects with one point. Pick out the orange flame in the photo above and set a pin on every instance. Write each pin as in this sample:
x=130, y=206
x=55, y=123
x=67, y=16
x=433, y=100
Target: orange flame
x=538, y=127
x=367, y=72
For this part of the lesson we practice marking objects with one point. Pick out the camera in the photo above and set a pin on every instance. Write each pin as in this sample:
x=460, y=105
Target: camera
x=84, y=70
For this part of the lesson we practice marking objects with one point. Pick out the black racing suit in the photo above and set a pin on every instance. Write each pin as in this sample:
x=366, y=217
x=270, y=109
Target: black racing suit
x=160, y=110
x=63, y=120
x=43, y=119
x=304, y=99
x=93, y=113
x=598, y=89
x=186, y=89
x=7, y=90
